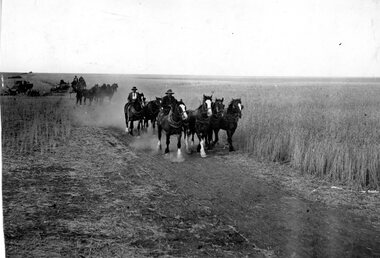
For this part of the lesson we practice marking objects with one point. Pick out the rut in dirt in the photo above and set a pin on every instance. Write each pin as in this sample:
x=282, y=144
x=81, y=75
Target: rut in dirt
x=263, y=212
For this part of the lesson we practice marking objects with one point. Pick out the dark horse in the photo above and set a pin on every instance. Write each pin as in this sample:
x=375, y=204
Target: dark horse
x=226, y=120
x=217, y=113
x=151, y=110
x=172, y=123
x=134, y=112
x=199, y=122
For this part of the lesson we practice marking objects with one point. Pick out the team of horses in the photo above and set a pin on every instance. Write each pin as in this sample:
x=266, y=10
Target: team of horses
x=205, y=122
x=96, y=93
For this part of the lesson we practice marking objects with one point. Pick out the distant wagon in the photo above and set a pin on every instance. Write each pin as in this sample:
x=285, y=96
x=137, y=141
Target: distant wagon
x=62, y=87
x=17, y=87
x=22, y=86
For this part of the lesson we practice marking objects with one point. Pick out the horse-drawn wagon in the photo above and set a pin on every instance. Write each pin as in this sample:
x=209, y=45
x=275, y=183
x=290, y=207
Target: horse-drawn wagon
x=62, y=87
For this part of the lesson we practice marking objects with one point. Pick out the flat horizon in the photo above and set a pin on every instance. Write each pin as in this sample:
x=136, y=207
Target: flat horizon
x=153, y=75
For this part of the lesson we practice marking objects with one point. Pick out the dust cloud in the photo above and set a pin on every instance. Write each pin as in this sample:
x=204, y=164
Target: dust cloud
x=110, y=114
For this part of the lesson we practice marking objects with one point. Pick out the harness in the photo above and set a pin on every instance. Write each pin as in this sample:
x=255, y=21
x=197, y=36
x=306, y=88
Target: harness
x=133, y=111
x=172, y=123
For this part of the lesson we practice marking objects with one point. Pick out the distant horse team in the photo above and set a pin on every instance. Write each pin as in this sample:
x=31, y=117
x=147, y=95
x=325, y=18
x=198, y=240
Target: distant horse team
x=173, y=118
x=97, y=93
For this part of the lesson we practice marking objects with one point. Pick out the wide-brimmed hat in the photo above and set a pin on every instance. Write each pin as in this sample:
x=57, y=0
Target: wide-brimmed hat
x=134, y=88
x=169, y=92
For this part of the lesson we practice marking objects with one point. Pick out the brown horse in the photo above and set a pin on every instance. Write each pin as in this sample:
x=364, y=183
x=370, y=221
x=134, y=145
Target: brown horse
x=151, y=110
x=198, y=123
x=134, y=112
x=227, y=121
x=172, y=123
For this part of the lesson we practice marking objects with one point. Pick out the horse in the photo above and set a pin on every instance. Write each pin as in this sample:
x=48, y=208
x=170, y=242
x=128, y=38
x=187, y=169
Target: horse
x=151, y=110
x=90, y=94
x=198, y=123
x=172, y=123
x=108, y=91
x=217, y=114
x=134, y=112
x=101, y=93
x=228, y=121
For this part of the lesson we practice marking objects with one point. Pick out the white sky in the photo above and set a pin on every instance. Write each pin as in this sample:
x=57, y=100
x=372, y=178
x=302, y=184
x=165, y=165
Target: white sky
x=258, y=38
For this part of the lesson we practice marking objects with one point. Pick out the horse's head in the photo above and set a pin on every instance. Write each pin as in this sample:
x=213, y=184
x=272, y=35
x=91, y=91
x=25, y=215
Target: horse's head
x=141, y=98
x=207, y=104
x=218, y=106
x=235, y=107
x=180, y=108
x=157, y=102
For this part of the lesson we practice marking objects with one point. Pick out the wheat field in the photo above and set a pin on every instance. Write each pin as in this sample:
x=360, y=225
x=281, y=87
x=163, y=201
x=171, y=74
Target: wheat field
x=326, y=128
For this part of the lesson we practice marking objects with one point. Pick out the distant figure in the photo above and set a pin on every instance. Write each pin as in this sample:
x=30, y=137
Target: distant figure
x=74, y=83
x=167, y=101
x=82, y=83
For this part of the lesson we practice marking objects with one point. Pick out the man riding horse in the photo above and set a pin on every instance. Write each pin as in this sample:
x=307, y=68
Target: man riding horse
x=133, y=110
x=167, y=101
x=135, y=96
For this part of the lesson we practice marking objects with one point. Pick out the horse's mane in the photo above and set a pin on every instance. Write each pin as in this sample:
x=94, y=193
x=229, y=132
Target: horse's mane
x=230, y=108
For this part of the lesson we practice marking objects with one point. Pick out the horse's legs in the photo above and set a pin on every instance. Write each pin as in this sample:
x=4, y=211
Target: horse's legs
x=167, y=142
x=179, y=154
x=186, y=136
x=131, y=128
x=126, y=122
x=202, y=146
x=229, y=139
x=199, y=143
x=153, y=122
x=216, y=133
x=159, y=133
x=138, y=127
x=208, y=139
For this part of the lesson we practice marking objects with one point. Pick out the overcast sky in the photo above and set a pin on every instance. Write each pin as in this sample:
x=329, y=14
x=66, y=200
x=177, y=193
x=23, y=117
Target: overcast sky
x=257, y=38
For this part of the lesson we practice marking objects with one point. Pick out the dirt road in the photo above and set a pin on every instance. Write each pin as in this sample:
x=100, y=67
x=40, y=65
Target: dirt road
x=261, y=211
x=107, y=194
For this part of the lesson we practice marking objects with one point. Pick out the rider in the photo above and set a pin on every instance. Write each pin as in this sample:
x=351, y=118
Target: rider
x=134, y=96
x=82, y=82
x=167, y=101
